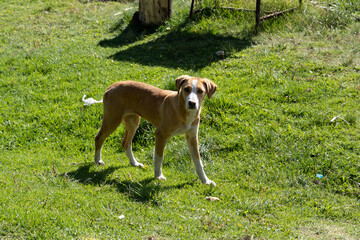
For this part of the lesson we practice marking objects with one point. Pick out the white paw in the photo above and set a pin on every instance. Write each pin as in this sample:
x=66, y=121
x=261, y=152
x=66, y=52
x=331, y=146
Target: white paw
x=100, y=162
x=161, y=178
x=137, y=164
x=210, y=183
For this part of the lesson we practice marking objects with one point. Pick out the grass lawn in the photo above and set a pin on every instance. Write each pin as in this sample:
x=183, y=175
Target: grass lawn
x=280, y=137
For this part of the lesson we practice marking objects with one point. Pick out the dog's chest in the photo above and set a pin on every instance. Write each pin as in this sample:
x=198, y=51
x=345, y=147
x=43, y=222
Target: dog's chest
x=187, y=125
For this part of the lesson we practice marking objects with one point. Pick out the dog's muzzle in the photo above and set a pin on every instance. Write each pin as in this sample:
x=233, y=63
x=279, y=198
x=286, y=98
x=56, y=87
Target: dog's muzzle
x=191, y=105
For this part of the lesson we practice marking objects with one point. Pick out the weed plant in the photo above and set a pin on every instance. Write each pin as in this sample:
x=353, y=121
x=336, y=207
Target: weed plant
x=280, y=136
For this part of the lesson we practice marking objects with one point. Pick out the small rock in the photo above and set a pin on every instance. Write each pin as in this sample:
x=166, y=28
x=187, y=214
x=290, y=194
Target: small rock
x=220, y=53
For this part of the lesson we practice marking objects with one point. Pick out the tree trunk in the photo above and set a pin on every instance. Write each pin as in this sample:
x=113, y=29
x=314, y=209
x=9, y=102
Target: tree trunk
x=154, y=12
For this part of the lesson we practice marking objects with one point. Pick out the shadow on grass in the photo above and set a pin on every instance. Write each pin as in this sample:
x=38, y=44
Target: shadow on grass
x=145, y=191
x=132, y=33
x=176, y=49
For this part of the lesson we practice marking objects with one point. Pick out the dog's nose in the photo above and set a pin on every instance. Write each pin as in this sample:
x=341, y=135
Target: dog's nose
x=192, y=105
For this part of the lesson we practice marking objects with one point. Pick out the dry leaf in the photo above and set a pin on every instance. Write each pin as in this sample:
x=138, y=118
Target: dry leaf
x=212, y=199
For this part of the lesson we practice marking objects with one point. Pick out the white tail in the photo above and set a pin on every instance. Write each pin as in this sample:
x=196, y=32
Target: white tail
x=90, y=101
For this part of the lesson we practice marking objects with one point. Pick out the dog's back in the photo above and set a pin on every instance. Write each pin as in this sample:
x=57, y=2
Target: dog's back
x=130, y=97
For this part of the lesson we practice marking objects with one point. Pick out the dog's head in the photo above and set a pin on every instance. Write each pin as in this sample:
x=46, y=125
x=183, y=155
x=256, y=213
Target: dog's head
x=194, y=89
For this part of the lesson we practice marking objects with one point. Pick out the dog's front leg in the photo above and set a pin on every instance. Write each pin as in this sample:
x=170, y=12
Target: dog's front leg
x=160, y=141
x=192, y=142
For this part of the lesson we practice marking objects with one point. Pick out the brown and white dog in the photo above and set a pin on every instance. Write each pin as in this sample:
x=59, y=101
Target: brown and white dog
x=171, y=112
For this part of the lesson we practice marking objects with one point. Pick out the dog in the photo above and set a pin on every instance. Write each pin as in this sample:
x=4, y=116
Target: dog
x=171, y=112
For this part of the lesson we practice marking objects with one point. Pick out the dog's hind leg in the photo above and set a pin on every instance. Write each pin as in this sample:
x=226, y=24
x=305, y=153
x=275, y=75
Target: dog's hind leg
x=131, y=123
x=109, y=125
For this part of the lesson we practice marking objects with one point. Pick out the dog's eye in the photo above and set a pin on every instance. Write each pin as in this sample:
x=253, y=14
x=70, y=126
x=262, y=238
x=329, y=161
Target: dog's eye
x=187, y=89
x=200, y=91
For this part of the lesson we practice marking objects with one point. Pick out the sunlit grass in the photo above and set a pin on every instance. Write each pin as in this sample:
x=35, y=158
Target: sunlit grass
x=280, y=137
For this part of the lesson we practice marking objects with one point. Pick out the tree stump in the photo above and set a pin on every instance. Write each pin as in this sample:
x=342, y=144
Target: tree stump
x=154, y=12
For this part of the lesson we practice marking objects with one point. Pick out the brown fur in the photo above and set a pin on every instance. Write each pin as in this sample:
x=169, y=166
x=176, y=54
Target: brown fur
x=125, y=102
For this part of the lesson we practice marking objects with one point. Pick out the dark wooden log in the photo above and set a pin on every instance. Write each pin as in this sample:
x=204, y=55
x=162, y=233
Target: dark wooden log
x=257, y=13
x=154, y=12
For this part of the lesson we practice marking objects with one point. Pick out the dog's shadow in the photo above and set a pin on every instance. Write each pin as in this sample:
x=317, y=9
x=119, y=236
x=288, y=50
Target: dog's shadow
x=147, y=190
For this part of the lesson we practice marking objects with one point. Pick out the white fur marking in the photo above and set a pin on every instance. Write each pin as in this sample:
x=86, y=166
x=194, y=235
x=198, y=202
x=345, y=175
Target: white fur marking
x=193, y=96
x=131, y=158
x=98, y=158
x=157, y=166
x=90, y=101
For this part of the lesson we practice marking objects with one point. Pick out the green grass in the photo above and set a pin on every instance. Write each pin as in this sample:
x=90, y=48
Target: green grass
x=264, y=136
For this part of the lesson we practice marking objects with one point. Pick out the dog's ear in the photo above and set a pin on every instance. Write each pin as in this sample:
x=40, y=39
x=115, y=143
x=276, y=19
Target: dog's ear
x=180, y=81
x=210, y=87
